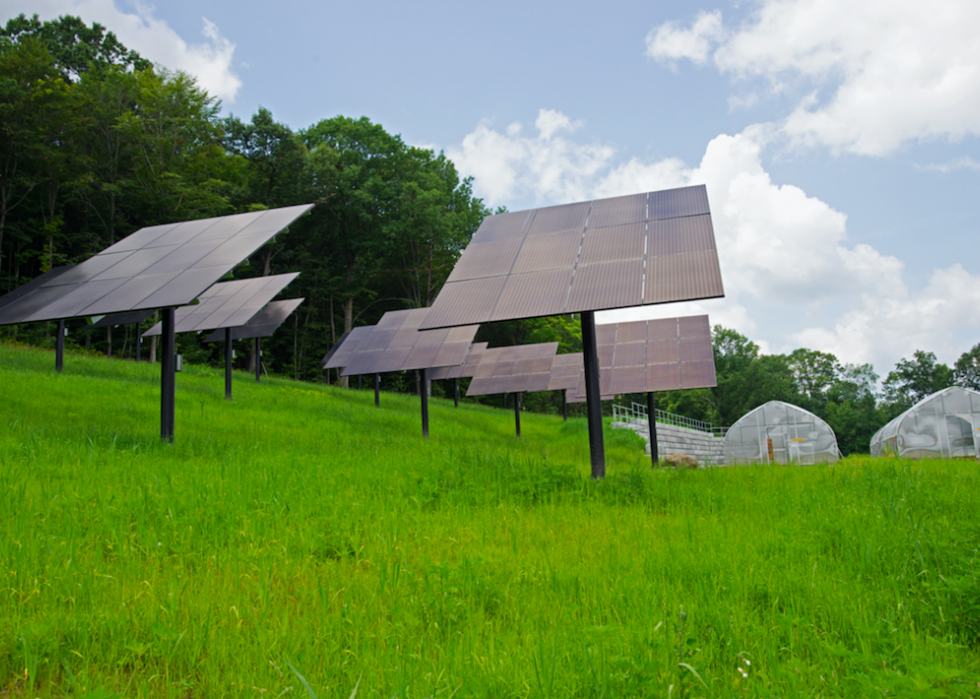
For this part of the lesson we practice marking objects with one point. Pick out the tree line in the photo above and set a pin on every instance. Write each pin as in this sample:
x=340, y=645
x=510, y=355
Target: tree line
x=97, y=142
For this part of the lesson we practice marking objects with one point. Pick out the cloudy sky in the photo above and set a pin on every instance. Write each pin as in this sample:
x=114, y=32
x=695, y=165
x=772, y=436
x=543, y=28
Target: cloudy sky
x=838, y=140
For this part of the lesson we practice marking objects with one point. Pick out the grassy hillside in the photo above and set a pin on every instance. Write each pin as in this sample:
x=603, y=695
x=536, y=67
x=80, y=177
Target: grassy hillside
x=299, y=541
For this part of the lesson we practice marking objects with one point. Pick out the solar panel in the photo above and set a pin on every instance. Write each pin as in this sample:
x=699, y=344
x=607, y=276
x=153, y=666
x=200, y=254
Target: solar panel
x=520, y=369
x=345, y=347
x=644, y=356
x=565, y=372
x=155, y=267
x=227, y=304
x=25, y=289
x=261, y=325
x=466, y=369
x=395, y=344
x=114, y=319
x=589, y=256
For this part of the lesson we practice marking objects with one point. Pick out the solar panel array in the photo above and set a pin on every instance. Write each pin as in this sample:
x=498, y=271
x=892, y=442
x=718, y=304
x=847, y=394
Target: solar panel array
x=396, y=344
x=654, y=355
x=155, y=267
x=608, y=253
x=261, y=325
x=227, y=304
x=519, y=369
x=464, y=370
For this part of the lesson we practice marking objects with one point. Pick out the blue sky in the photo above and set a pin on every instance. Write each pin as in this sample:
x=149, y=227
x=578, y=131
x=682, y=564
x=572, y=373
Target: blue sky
x=838, y=141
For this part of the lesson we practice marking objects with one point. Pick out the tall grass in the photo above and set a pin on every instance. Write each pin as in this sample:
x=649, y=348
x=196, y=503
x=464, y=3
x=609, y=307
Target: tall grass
x=300, y=541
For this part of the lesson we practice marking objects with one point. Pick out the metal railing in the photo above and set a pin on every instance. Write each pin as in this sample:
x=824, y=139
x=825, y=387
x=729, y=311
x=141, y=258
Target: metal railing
x=636, y=414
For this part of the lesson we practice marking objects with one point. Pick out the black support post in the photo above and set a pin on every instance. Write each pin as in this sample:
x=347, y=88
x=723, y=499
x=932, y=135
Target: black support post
x=228, y=354
x=597, y=449
x=168, y=376
x=59, y=351
x=138, y=343
x=360, y=384
x=652, y=420
x=456, y=392
x=425, y=403
x=505, y=401
x=517, y=413
x=377, y=390
x=258, y=360
x=564, y=405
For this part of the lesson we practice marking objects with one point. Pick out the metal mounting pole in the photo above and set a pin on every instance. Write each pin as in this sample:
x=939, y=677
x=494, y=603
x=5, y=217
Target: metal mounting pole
x=377, y=390
x=564, y=405
x=138, y=342
x=258, y=359
x=505, y=401
x=597, y=450
x=517, y=413
x=652, y=420
x=168, y=376
x=359, y=384
x=228, y=357
x=59, y=351
x=456, y=392
x=425, y=404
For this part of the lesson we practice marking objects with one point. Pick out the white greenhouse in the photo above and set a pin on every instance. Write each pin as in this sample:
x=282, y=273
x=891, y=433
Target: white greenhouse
x=781, y=433
x=944, y=424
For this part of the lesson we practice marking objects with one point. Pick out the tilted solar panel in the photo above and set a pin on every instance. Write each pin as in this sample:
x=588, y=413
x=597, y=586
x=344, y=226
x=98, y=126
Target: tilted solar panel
x=464, y=370
x=519, y=369
x=114, y=319
x=644, y=356
x=155, y=267
x=261, y=325
x=227, y=304
x=589, y=256
x=396, y=344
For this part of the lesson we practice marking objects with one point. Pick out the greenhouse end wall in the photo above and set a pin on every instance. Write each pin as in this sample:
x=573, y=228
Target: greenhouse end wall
x=943, y=425
x=778, y=432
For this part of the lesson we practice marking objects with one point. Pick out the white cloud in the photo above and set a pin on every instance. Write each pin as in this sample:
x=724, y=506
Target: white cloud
x=210, y=61
x=782, y=253
x=669, y=42
x=547, y=165
x=886, y=327
x=964, y=163
x=896, y=70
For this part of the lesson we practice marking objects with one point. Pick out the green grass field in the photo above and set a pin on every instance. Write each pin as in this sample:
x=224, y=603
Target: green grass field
x=300, y=542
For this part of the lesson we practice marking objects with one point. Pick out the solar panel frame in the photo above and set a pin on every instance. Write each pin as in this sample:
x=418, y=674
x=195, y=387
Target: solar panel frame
x=640, y=249
x=114, y=319
x=134, y=273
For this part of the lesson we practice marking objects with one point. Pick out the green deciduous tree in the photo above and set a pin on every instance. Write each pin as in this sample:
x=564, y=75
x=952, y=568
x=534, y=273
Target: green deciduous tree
x=912, y=380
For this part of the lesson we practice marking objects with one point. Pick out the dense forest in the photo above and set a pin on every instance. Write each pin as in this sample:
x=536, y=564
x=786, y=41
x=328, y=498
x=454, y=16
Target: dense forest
x=96, y=142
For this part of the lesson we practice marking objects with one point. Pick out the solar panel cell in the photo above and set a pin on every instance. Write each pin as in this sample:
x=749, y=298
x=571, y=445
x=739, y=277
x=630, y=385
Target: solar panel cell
x=140, y=238
x=126, y=291
x=473, y=300
x=548, y=252
x=618, y=210
x=694, y=326
x=663, y=377
x=678, y=235
x=533, y=294
x=680, y=277
x=611, y=285
x=481, y=260
x=89, y=269
x=632, y=354
x=697, y=374
x=613, y=244
x=663, y=351
x=685, y=201
x=80, y=298
x=502, y=226
x=566, y=217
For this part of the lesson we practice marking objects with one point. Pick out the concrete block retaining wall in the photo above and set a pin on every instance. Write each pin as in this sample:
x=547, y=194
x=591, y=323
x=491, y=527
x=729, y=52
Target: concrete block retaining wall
x=672, y=439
